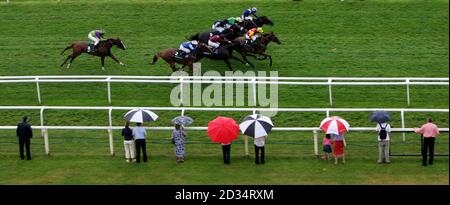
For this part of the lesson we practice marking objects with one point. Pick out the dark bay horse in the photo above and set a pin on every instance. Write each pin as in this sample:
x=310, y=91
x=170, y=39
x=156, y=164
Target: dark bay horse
x=257, y=22
x=259, y=48
x=229, y=34
x=225, y=52
x=103, y=50
x=169, y=56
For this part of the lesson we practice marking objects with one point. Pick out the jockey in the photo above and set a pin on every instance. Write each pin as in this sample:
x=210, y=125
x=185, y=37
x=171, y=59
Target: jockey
x=252, y=35
x=214, y=41
x=219, y=26
x=96, y=36
x=248, y=12
x=189, y=47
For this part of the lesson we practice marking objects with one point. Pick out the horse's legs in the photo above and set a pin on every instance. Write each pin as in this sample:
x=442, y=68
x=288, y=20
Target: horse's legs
x=69, y=56
x=103, y=62
x=265, y=57
x=247, y=62
x=243, y=62
x=115, y=59
x=74, y=55
x=173, y=66
x=228, y=64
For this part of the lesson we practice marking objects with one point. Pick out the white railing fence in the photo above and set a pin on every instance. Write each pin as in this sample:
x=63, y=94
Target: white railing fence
x=44, y=129
x=253, y=81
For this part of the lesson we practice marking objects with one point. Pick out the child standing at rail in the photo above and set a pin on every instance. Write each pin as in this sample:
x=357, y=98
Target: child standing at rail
x=327, y=147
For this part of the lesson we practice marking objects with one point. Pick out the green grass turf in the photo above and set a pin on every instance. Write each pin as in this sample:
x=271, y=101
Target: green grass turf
x=319, y=38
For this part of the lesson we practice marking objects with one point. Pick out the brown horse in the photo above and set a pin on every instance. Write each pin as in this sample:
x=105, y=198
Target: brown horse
x=169, y=56
x=259, y=48
x=103, y=50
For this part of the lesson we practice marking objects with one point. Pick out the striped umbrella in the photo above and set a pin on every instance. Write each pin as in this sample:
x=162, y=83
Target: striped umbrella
x=256, y=126
x=140, y=115
x=334, y=125
x=182, y=120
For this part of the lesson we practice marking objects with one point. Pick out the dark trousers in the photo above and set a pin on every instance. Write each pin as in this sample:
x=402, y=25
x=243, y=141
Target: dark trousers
x=428, y=146
x=140, y=143
x=257, y=156
x=24, y=142
x=226, y=149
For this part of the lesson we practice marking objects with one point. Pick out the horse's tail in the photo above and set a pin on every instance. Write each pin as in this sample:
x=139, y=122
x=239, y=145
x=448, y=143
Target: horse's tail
x=155, y=58
x=68, y=47
x=193, y=37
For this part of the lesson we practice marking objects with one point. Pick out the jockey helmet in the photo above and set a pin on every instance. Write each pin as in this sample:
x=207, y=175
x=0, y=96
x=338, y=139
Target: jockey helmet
x=254, y=10
x=259, y=30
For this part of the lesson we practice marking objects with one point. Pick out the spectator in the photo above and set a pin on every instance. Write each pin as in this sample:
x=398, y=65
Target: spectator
x=128, y=143
x=327, y=147
x=226, y=149
x=139, y=134
x=338, y=148
x=178, y=138
x=259, y=146
x=429, y=132
x=25, y=133
x=384, y=138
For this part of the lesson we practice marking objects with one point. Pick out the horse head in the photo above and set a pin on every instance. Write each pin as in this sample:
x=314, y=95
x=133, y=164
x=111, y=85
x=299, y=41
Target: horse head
x=271, y=37
x=263, y=20
x=117, y=42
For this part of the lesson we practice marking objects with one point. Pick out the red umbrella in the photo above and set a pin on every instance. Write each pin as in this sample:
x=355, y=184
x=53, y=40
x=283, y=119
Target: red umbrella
x=334, y=125
x=223, y=130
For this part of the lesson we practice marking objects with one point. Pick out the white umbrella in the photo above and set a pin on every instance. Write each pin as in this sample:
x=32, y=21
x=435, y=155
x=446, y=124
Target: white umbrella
x=140, y=115
x=256, y=126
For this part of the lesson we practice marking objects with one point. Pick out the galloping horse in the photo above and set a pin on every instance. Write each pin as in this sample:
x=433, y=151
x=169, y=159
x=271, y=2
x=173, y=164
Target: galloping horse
x=169, y=56
x=229, y=34
x=257, y=22
x=103, y=50
x=259, y=48
x=225, y=52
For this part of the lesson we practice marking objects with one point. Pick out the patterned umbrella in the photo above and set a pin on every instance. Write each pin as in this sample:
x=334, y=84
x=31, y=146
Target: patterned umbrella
x=140, y=115
x=256, y=126
x=223, y=130
x=334, y=125
x=182, y=120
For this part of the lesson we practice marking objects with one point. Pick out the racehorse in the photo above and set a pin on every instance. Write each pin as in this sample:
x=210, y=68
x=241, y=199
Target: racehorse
x=103, y=50
x=259, y=48
x=225, y=52
x=257, y=22
x=169, y=56
x=229, y=34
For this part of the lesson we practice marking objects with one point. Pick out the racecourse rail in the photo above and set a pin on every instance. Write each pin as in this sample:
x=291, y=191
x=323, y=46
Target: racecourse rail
x=44, y=129
x=251, y=80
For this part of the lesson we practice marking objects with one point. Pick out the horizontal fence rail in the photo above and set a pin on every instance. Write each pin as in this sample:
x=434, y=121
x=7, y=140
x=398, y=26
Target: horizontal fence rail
x=44, y=129
x=251, y=80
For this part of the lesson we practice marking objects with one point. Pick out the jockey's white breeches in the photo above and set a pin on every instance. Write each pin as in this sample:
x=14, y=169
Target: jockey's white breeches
x=185, y=49
x=213, y=44
x=93, y=38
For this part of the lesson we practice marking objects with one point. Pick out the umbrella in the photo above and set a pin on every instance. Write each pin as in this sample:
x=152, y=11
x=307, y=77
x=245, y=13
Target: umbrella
x=334, y=125
x=140, y=115
x=380, y=116
x=182, y=120
x=223, y=130
x=256, y=126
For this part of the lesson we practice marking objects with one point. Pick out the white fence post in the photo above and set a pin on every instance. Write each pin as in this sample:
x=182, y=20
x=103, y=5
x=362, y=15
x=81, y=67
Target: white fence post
x=407, y=92
x=316, y=144
x=330, y=92
x=110, y=133
x=46, y=145
x=181, y=90
x=108, y=80
x=328, y=113
x=402, y=117
x=38, y=90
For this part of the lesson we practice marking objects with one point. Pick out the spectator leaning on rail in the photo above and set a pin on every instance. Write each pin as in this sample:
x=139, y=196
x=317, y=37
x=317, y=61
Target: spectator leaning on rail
x=139, y=134
x=429, y=131
x=25, y=133
x=384, y=138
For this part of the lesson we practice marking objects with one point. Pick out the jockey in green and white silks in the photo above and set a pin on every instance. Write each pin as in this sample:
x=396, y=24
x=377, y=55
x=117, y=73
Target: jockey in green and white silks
x=96, y=36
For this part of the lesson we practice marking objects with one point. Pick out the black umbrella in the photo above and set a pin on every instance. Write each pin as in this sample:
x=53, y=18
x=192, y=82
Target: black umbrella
x=256, y=126
x=140, y=115
x=380, y=116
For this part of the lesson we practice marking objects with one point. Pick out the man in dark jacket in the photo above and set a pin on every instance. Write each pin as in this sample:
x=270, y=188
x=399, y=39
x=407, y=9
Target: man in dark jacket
x=24, y=133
